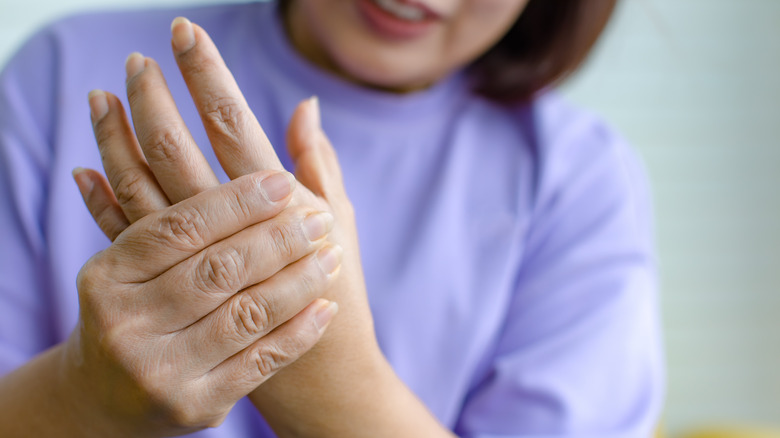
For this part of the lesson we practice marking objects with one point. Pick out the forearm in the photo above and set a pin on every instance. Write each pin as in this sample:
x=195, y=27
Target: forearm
x=36, y=400
x=373, y=402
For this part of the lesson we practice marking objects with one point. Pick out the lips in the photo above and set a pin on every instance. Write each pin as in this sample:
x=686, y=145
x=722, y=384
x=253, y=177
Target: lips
x=397, y=19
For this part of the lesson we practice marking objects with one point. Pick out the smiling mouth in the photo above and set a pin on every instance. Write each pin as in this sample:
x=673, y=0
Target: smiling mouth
x=404, y=10
x=401, y=10
x=398, y=20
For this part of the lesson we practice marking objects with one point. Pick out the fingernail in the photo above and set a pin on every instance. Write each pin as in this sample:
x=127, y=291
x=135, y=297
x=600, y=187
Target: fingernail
x=325, y=313
x=277, y=186
x=329, y=258
x=83, y=182
x=316, y=225
x=98, y=104
x=134, y=64
x=313, y=114
x=183, y=34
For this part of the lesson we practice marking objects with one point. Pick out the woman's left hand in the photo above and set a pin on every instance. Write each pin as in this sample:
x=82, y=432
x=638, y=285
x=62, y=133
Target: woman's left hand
x=330, y=391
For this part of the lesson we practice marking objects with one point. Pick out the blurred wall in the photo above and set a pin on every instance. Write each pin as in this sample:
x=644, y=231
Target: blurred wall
x=694, y=85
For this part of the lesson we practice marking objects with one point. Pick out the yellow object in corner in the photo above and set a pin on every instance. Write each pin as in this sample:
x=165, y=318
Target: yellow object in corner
x=733, y=432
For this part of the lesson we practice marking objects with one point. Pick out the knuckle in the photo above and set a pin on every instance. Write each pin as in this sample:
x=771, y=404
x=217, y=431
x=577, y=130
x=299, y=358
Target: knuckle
x=129, y=185
x=93, y=278
x=182, y=414
x=225, y=115
x=113, y=342
x=312, y=280
x=165, y=145
x=221, y=270
x=239, y=205
x=252, y=315
x=283, y=239
x=86, y=279
x=216, y=420
x=270, y=358
x=182, y=228
x=171, y=402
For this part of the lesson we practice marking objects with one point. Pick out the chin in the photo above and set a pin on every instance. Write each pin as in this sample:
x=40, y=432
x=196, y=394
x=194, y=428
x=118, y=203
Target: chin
x=391, y=72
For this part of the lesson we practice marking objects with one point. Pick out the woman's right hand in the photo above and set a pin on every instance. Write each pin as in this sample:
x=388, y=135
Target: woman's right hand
x=195, y=305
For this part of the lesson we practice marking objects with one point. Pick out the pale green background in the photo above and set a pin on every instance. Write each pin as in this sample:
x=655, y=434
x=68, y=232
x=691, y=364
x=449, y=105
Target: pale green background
x=694, y=85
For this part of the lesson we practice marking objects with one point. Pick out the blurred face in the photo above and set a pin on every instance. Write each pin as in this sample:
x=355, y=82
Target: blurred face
x=399, y=45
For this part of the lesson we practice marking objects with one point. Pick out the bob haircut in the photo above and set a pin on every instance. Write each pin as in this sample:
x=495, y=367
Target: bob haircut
x=547, y=43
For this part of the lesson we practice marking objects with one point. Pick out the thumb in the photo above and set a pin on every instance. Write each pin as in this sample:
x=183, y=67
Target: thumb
x=316, y=163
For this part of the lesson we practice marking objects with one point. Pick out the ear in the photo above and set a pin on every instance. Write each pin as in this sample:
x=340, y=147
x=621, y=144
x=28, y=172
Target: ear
x=316, y=164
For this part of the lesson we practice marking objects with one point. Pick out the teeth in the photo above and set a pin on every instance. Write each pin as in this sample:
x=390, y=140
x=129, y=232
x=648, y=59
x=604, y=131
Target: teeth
x=402, y=11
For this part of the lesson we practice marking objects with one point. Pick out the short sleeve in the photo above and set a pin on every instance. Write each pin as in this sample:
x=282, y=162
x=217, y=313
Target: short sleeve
x=579, y=354
x=27, y=87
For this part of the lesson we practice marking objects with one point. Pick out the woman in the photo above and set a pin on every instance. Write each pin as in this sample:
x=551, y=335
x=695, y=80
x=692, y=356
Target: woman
x=504, y=235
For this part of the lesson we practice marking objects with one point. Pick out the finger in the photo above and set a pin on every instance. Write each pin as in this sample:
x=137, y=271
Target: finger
x=207, y=279
x=244, y=372
x=316, y=164
x=162, y=239
x=178, y=164
x=100, y=202
x=235, y=134
x=133, y=183
x=256, y=311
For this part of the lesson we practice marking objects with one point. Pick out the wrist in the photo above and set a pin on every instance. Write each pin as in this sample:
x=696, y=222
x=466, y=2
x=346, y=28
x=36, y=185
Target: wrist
x=78, y=396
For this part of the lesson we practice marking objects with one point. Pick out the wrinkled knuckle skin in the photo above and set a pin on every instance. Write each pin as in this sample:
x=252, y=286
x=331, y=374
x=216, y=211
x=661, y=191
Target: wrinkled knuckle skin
x=130, y=185
x=283, y=240
x=181, y=228
x=270, y=359
x=224, y=115
x=165, y=145
x=241, y=208
x=312, y=281
x=221, y=271
x=252, y=316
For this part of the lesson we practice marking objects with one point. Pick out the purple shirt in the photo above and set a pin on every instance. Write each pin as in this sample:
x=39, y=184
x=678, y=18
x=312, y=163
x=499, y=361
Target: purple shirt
x=507, y=251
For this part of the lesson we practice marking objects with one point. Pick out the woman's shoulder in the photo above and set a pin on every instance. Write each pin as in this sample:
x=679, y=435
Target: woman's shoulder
x=568, y=139
x=557, y=127
x=580, y=155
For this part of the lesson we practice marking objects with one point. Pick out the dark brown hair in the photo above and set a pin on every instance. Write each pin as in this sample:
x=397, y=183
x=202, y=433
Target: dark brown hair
x=549, y=40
